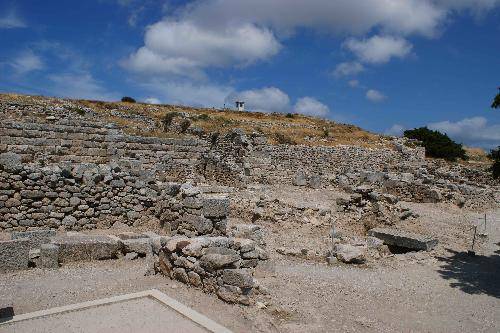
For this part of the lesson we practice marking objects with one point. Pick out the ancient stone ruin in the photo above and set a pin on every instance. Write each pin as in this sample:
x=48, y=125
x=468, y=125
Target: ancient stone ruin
x=67, y=171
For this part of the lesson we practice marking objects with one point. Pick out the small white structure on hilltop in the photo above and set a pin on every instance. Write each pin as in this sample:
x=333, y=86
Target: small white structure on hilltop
x=240, y=106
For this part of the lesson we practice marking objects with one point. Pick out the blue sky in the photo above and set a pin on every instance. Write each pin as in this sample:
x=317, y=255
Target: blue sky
x=385, y=65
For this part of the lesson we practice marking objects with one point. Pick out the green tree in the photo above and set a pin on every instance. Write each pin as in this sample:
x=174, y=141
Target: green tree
x=495, y=156
x=496, y=101
x=437, y=144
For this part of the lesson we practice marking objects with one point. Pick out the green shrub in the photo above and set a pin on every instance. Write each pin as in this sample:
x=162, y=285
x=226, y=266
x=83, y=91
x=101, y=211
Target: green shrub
x=203, y=116
x=495, y=156
x=185, y=123
x=496, y=101
x=167, y=119
x=289, y=115
x=127, y=99
x=437, y=144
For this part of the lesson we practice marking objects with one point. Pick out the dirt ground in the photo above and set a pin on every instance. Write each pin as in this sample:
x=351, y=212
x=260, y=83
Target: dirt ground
x=441, y=291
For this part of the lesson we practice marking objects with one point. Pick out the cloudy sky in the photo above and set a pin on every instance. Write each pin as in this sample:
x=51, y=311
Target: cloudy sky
x=385, y=65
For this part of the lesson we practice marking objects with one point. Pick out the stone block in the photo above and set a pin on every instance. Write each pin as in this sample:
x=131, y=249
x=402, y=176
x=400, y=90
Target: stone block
x=237, y=277
x=218, y=257
x=76, y=248
x=141, y=246
x=36, y=237
x=350, y=254
x=14, y=254
x=404, y=239
x=11, y=162
x=49, y=256
x=215, y=207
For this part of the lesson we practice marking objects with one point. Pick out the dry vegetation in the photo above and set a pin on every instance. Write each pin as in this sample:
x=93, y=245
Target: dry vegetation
x=277, y=127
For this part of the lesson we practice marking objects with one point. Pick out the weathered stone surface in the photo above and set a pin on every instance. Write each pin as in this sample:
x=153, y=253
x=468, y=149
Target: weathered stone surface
x=237, y=277
x=142, y=246
x=76, y=248
x=130, y=235
x=194, y=279
x=215, y=207
x=180, y=275
x=14, y=254
x=404, y=239
x=11, y=162
x=200, y=224
x=350, y=254
x=49, y=256
x=36, y=237
x=218, y=257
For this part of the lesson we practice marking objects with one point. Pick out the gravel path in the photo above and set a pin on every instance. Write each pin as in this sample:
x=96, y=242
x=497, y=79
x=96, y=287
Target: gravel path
x=413, y=292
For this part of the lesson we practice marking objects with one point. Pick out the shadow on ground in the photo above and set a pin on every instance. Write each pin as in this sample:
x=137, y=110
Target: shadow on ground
x=472, y=274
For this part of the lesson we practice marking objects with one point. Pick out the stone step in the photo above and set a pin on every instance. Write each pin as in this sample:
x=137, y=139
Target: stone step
x=117, y=137
x=404, y=239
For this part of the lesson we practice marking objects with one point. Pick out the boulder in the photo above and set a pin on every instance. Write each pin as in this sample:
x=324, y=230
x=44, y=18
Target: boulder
x=218, y=257
x=404, y=239
x=237, y=277
x=350, y=254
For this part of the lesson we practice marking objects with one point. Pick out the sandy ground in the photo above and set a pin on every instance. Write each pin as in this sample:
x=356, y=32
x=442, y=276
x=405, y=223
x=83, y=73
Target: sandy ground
x=443, y=291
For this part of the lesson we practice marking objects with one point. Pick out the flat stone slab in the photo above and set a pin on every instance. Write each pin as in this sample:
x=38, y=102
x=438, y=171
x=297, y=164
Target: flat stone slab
x=36, y=237
x=148, y=311
x=404, y=239
x=14, y=254
x=79, y=248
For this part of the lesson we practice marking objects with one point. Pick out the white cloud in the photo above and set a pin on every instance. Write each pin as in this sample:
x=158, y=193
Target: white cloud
x=375, y=96
x=476, y=6
x=11, y=20
x=184, y=92
x=353, y=83
x=473, y=131
x=25, y=62
x=311, y=107
x=272, y=99
x=268, y=99
x=152, y=100
x=183, y=48
x=348, y=69
x=335, y=16
x=395, y=130
x=379, y=49
x=79, y=85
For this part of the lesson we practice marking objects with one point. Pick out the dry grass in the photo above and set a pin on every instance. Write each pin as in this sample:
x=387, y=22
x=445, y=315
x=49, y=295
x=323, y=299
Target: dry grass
x=477, y=155
x=298, y=128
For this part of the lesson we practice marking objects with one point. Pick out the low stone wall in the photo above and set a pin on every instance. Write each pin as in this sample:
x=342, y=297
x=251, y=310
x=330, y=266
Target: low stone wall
x=220, y=265
x=85, y=196
x=183, y=209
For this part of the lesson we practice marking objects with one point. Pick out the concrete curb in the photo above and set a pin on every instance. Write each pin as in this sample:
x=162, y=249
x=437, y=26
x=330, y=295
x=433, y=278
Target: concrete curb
x=157, y=295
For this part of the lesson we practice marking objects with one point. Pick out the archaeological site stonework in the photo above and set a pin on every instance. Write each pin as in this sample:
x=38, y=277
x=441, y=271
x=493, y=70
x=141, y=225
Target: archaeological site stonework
x=67, y=170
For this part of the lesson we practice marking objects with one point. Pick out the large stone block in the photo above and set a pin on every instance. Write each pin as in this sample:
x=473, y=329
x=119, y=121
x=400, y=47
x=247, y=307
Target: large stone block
x=76, y=248
x=237, y=277
x=218, y=257
x=215, y=207
x=49, y=256
x=36, y=237
x=404, y=239
x=142, y=246
x=14, y=254
x=11, y=162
